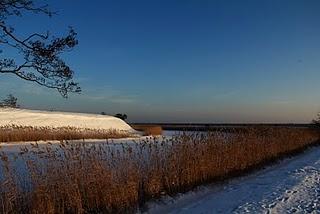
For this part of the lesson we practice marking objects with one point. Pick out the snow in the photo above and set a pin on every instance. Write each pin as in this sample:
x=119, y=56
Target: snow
x=291, y=186
x=24, y=117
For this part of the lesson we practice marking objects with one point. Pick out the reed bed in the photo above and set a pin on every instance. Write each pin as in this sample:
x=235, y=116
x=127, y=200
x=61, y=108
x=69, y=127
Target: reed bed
x=108, y=178
x=149, y=130
x=15, y=133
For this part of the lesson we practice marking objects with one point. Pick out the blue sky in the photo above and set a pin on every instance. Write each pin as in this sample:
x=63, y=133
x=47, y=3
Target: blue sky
x=185, y=60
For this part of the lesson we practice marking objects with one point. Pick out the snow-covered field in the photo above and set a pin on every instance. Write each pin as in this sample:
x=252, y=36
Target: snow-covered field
x=292, y=186
x=23, y=117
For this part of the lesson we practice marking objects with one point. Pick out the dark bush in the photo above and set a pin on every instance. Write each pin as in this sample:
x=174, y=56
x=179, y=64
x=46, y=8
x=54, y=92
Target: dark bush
x=121, y=116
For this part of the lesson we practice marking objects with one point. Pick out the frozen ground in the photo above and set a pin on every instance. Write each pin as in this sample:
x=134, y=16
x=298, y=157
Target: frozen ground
x=292, y=186
x=24, y=117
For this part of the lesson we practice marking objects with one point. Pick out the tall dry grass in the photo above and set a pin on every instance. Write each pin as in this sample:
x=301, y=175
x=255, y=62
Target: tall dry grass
x=14, y=133
x=102, y=178
x=149, y=130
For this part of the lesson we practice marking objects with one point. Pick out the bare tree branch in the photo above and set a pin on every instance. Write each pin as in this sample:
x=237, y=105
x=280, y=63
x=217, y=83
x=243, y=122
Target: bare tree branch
x=37, y=35
x=42, y=62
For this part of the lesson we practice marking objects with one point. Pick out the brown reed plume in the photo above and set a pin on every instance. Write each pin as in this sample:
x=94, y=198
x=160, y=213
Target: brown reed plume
x=120, y=178
x=15, y=133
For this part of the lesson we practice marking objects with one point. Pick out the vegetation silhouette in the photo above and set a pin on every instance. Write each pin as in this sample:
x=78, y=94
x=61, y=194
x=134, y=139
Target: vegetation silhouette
x=316, y=121
x=37, y=55
x=121, y=116
x=11, y=101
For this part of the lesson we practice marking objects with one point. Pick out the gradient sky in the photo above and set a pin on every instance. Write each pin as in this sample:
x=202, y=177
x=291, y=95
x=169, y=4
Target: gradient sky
x=185, y=60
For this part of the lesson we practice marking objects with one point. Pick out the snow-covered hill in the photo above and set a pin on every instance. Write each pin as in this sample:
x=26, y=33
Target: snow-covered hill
x=24, y=117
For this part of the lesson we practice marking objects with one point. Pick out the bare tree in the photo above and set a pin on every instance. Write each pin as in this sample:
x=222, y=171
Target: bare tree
x=316, y=121
x=10, y=101
x=39, y=53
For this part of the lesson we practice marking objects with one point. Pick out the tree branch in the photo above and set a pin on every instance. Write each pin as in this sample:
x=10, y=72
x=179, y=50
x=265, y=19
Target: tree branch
x=4, y=28
x=43, y=64
x=36, y=35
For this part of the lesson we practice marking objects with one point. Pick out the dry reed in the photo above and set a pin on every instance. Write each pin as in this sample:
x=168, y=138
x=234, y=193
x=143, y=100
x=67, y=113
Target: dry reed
x=103, y=178
x=14, y=133
x=149, y=130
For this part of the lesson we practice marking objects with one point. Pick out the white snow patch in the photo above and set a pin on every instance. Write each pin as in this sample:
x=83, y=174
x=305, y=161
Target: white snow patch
x=24, y=117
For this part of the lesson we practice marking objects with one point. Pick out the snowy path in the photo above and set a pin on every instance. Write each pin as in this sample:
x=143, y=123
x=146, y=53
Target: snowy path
x=292, y=186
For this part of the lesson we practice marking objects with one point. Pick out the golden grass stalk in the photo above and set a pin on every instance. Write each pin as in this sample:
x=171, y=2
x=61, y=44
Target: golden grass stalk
x=103, y=178
x=14, y=133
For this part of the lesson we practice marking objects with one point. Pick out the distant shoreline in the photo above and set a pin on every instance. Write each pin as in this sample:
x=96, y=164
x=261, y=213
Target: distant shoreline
x=219, y=126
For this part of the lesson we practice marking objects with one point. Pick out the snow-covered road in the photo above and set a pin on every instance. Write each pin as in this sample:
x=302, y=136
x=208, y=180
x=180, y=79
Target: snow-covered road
x=292, y=186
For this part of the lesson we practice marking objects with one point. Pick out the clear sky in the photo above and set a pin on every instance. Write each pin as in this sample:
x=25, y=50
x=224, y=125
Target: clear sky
x=185, y=60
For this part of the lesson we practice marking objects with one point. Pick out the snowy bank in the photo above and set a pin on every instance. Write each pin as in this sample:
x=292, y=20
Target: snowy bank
x=24, y=117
